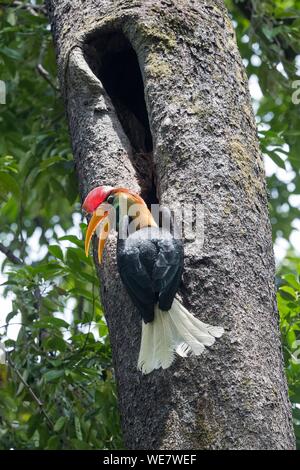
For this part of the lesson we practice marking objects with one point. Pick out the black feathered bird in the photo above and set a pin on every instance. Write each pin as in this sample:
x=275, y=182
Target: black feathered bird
x=150, y=263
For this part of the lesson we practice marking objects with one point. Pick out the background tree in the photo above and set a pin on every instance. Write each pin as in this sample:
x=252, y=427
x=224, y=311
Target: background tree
x=38, y=191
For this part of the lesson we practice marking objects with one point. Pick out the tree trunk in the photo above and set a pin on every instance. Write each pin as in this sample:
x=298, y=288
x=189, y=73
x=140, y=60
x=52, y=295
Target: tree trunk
x=157, y=101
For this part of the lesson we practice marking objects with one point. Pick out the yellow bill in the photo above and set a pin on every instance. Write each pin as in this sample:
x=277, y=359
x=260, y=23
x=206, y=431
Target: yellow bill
x=102, y=239
x=93, y=224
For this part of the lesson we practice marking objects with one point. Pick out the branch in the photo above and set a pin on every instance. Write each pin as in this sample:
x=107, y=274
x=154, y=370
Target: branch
x=27, y=386
x=247, y=9
x=33, y=9
x=6, y=325
x=14, y=259
x=90, y=322
x=45, y=74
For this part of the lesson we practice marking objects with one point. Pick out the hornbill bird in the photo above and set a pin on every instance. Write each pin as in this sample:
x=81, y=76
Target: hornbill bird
x=150, y=263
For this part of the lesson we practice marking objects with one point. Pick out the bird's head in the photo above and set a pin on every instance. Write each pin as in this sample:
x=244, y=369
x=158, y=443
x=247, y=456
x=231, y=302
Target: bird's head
x=100, y=202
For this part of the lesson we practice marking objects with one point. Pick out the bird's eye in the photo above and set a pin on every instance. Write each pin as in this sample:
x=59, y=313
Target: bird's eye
x=110, y=199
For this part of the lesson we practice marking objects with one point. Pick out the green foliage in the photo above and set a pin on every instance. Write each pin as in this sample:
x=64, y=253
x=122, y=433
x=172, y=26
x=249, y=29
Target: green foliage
x=289, y=306
x=57, y=390
x=268, y=34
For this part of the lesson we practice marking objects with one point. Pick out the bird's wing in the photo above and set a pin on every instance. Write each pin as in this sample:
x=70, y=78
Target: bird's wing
x=167, y=271
x=137, y=282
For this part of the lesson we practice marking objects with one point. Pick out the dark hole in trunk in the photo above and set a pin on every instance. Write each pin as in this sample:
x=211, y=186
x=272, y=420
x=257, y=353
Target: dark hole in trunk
x=115, y=63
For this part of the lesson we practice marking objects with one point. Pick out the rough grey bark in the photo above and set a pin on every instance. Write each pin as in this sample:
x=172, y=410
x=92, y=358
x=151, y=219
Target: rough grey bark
x=205, y=149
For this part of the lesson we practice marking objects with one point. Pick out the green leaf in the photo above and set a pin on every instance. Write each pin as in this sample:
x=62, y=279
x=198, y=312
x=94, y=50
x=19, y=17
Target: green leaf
x=55, y=343
x=60, y=423
x=50, y=161
x=53, y=443
x=11, y=315
x=78, y=428
x=292, y=280
x=56, y=251
x=36, y=438
x=83, y=293
x=48, y=321
x=53, y=375
x=277, y=159
x=267, y=32
x=8, y=185
x=80, y=445
x=284, y=290
x=11, y=53
x=11, y=18
x=73, y=239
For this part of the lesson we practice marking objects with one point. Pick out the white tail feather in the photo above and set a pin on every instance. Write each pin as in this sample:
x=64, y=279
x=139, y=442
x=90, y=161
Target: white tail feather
x=175, y=331
x=147, y=345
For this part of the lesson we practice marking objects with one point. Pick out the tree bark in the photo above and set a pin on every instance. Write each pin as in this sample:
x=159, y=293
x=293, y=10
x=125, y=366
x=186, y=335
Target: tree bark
x=200, y=145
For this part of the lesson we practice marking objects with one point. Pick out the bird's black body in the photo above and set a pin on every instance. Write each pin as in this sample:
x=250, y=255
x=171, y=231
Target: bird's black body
x=150, y=263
